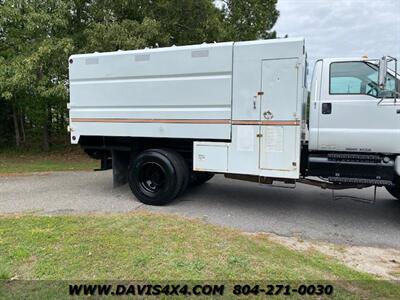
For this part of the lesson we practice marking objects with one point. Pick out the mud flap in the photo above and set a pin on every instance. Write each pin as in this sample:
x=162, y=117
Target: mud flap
x=120, y=162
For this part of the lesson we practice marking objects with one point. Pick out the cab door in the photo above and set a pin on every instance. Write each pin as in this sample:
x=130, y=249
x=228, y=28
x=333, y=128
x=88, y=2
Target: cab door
x=350, y=117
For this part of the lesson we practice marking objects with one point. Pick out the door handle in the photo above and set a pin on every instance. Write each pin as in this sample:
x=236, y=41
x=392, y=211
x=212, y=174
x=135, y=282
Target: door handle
x=326, y=108
x=254, y=102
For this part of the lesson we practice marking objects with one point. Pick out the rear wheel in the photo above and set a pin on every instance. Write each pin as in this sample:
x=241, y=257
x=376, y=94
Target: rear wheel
x=184, y=167
x=157, y=176
x=198, y=178
x=394, y=191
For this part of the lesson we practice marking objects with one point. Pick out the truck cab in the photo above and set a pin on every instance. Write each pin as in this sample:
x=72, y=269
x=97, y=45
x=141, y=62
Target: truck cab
x=354, y=121
x=346, y=108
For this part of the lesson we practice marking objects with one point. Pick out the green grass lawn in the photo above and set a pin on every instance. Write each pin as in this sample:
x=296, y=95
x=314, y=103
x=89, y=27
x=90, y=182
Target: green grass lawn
x=28, y=162
x=152, y=247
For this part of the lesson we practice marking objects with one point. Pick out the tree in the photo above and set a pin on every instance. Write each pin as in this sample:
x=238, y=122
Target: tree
x=250, y=19
x=124, y=35
x=180, y=22
x=33, y=64
x=188, y=22
x=48, y=69
x=37, y=36
x=13, y=85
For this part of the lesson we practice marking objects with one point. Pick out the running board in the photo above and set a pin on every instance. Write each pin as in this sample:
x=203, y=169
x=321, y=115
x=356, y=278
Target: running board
x=330, y=185
x=364, y=181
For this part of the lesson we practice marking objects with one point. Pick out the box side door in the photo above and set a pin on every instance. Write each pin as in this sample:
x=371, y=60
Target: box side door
x=278, y=116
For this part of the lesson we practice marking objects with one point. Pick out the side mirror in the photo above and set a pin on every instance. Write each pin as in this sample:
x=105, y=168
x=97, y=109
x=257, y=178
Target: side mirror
x=382, y=72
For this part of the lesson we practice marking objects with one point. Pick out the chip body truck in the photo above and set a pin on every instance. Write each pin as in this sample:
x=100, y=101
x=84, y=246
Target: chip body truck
x=166, y=118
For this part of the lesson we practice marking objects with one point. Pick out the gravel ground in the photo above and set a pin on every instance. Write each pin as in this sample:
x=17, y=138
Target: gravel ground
x=305, y=212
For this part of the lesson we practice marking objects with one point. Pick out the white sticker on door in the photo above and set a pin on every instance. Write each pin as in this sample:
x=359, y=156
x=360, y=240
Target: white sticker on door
x=274, y=139
x=245, y=138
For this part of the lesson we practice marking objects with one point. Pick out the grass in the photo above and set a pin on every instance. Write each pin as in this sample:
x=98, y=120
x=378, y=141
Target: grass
x=153, y=247
x=28, y=162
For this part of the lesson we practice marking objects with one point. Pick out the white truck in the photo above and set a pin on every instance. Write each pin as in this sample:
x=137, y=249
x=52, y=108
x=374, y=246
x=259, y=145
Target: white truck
x=165, y=118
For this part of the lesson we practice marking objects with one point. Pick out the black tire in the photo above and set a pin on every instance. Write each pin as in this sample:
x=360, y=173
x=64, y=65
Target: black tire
x=185, y=172
x=394, y=191
x=198, y=178
x=157, y=176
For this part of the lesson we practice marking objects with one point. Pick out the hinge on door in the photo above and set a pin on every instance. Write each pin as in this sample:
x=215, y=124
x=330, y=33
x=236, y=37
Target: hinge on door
x=259, y=135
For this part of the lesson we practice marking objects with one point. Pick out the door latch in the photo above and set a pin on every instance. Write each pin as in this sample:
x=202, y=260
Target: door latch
x=259, y=94
x=259, y=135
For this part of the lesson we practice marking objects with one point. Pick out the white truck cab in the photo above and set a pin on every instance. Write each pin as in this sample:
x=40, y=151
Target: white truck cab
x=347, y=112
x=166, y=118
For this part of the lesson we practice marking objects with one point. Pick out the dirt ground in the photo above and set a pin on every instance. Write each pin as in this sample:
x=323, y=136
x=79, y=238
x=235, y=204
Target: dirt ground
x=382, y=262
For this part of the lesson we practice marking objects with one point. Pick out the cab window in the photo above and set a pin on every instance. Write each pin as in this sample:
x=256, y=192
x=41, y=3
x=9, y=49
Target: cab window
x=357, y=78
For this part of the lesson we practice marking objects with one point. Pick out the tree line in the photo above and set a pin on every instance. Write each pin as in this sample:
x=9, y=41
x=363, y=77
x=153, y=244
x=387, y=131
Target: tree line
x=37, y=37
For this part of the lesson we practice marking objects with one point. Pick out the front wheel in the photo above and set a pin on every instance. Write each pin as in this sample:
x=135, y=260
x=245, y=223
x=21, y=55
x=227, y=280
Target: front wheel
x=157, y=176
x=394, y=191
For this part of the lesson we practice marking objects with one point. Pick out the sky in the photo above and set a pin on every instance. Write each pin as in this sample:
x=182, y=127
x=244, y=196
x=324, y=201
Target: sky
x=342, y=28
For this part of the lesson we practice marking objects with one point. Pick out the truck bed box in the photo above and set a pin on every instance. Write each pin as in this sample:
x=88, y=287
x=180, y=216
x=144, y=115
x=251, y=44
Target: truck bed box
x=241, y=103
